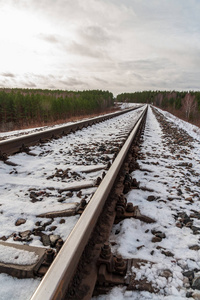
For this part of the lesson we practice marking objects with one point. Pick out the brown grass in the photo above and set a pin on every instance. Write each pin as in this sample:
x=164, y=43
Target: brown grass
x=7, y=127
x=181, y=115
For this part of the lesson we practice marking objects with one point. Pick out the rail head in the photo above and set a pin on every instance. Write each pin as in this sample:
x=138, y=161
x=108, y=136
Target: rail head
x=55, y=283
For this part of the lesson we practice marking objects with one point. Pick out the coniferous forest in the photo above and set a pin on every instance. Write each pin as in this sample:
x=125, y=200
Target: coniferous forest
x=185, y=105
x=26, y=107
x=21, y=108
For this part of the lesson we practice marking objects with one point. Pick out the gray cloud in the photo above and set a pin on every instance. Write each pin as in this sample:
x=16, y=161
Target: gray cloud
x=29, y=84
x=49, y=38
x=102, y=81
x=118, y=45
x=97, y=35
x=8, y=74
x=145, y=64
x=86, y=50
x=72, y=82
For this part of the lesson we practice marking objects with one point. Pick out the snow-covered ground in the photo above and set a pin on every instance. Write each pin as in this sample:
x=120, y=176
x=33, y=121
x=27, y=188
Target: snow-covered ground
x=169, y=176
x=32, y=187
x=125, y=105
x=169, y=192
x=192, y=130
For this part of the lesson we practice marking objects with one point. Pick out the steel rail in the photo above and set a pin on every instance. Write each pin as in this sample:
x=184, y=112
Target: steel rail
x=55, y=283
x=12, y=145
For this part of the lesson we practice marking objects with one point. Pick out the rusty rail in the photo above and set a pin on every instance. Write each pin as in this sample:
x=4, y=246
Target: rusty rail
x=56, y=281
x=14, y=145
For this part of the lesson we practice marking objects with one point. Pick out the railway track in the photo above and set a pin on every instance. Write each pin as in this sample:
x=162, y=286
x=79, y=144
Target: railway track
x=135, y=217
x=66, y=263
x=59, y=183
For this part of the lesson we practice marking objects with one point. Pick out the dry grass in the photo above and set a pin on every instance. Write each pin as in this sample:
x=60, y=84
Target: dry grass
x=181, y=115
x=8, y=127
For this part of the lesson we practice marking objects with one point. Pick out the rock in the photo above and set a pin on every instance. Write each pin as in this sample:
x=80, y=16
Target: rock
x=135, y=183
x=62, y=221
x=185, y=218
x=189, y=224
x=33, y=195
x=53, y=239
x=20, y=222
x=52, y=228
x=69, y=194
x=195, y=295
x=185, y=164
x=38, y=223
x=179, y=192
x=98, y=181
x=25, y=234
x=186, y=282
x=161, y=200
x=189, y=199
x=195, y=215
x=62, y=199
x=156, y=239
x=195, y=229
x=179, y=225
x=45, y=239
x=151, y=198
x=79, y=194
x=196, y=284
x=158, y=233
x=140, y=247
x=166, y=273
x=168, y=253
x=189, y=274
x=194, y=247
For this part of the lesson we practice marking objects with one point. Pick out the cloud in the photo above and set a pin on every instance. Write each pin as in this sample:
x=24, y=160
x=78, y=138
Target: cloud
x=97, y=35
x=8, y=74
x=28, y=84
x=50, y=38
x=117, y=45
x=102, y=81
x=151, y=64
x=86, y=50
x=72, y=82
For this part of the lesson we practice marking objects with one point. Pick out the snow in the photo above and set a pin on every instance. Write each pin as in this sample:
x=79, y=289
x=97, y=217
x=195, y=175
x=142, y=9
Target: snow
x=9, y=255
x=74, y=153
x=192, y=130
x=131, y=238
x=161, y=174
x=125, y=105
x=16, y=289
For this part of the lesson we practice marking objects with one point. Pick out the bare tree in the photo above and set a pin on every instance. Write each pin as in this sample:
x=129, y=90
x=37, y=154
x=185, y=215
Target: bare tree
x=189, y=105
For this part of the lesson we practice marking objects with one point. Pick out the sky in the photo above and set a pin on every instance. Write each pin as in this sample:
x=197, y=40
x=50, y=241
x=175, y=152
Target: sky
x=116, y=45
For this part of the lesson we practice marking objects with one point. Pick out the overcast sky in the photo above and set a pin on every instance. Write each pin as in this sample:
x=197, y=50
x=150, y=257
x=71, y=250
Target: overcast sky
x=115, y=45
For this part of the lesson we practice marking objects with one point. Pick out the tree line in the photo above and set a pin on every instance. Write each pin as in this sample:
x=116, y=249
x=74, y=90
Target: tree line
x=185, y=105
x=23, y=107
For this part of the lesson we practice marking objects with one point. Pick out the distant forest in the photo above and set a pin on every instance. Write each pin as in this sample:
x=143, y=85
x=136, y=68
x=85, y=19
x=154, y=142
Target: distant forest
x=27, y=107
x=185, y=105
x=20, y=108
